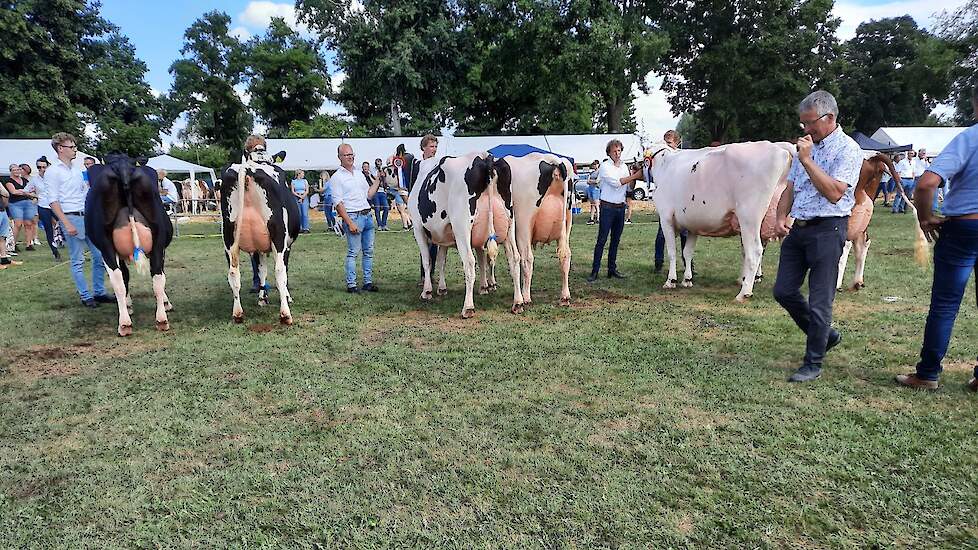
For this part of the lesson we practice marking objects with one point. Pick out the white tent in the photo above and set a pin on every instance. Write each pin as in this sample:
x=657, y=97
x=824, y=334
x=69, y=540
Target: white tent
x=934, y=139
x=21, y=151
x=320, y=153
x=173, y=165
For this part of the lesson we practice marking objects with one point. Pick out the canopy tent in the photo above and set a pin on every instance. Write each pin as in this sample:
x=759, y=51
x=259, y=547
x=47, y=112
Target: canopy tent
x=27, y=151
x=174, y=165
x=521, y=150
x=870, y=144
x=320, y=153
x=933, y=139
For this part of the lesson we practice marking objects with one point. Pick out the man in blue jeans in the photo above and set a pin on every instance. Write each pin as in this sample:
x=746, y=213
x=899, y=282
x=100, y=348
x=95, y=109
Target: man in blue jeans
x=352, y=193
x=956, y=251
x=67, y=188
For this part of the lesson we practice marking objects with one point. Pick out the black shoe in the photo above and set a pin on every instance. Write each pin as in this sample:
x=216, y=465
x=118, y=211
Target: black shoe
x=834, y=339
x=369, y=287
x=89, y=303
x=30, y=247
x=806, y=373
x=592, y=277
x=353, y=290
x=615, y=274
x=57, y=255
x=105, y=299
x=658, y=268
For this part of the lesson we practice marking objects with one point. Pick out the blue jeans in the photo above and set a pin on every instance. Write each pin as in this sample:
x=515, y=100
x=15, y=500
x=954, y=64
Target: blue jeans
x=303, y=213
x=76, y=250
x=955, y=258
x=4, y=227
x=900, y=205
x=612, y=221
x=382, y=208
x=660, y=246
x=328, y=210
x=362, y=241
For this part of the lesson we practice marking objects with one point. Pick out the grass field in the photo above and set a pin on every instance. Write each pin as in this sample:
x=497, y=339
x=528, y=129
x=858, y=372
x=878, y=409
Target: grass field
x=636, y=417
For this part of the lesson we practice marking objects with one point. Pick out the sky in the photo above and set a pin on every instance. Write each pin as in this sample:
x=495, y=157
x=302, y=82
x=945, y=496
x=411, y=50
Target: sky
x=156, y=30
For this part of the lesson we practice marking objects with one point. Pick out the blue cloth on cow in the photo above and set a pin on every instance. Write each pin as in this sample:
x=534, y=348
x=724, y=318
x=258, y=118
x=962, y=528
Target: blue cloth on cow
x=76, y=250
x=841, y=158
x=361, y=242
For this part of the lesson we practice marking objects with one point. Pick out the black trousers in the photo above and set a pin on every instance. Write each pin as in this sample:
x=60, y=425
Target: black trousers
x=48, y=220
x=813, y=250
x=612, y=221
x=660, y=245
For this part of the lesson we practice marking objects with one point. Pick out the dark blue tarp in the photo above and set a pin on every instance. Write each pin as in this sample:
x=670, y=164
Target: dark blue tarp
x=869, y=144
x=521, y=150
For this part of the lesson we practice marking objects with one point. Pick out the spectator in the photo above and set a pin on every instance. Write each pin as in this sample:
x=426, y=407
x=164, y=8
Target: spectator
x=5, y=231
x=327, y=187
x=613, y=179
x=89, y=162
x=32, y=189
x=820, y=198
x=904, y=167
x=44, y=206
x=168, y=191
x=380, y=202
x=300, y=190
x=352, y=194
x=919, y=167
x=21, y=205
x=67, y=189
x=593, y=194
x=886, y=182
x=956, y=251
x=418, y=171
x=674, y=141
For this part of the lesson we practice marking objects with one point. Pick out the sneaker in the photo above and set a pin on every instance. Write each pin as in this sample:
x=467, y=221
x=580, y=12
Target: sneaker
x=628, y=222
x=911, y=381
x=370, y=287
x=806, y=373
x=90, y=303
x=105, y=299
x=592, y=277
x=590, y=222
x=353, y=290
x=834, y=339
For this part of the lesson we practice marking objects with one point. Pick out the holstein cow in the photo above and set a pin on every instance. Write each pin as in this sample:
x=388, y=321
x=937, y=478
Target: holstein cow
x=125, y=219
x=858, y=235
x=261, y=216
x=541, y=187
x=707, y=191
x=457, y=205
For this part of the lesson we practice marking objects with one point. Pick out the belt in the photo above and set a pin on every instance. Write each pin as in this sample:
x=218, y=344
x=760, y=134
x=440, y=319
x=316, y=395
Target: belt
x=362, y=212
x=816, y=221
x=606, y=204
x=81, y=213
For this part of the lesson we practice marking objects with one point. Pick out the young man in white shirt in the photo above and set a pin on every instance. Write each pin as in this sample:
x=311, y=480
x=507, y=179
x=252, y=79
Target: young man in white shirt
x=68, y=189
x=352, y=194
x=904, y=167
x=613, y=178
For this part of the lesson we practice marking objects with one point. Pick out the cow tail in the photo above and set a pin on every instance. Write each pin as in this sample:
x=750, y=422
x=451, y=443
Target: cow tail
x=492, y=247
x=563, y=244
x=921, y=250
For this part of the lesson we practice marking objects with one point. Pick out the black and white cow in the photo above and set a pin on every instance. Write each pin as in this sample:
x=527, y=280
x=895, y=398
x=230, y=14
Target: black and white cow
x=259, y=215
x=125, y=219
x=458, y=205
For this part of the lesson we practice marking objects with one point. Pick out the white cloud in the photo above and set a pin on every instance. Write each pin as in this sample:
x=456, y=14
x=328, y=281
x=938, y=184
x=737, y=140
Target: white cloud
x=257, y=15
x=241, y=33
x=154, y=92
x=923, y=12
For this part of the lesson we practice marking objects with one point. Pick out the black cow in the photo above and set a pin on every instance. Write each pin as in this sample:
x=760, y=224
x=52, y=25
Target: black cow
x=125, y=220
x=260, y=215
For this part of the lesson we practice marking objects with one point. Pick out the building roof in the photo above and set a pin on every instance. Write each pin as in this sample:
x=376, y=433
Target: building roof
x=175, y=165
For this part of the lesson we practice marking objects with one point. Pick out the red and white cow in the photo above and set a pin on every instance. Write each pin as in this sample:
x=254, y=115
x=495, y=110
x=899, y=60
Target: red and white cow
x=457, y=205
x=706, y=190
x=541, y=188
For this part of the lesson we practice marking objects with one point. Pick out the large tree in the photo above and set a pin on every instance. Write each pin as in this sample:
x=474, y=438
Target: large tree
x=400, y=58
x=203, y=84
x=742, y=66
x=288, y=74
x=894, y=74
x=960, y=29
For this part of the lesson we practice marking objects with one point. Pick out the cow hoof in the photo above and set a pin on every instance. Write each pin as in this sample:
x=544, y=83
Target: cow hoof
x=517, y=309
x=441, y=291
x=125, y=330
x=167, y=306
x=687, y=283
x=564, y=302
x=758, y=278
x=483, y=290
x=163, y=326
x=671, y=283
x=468, y=313
x=743, y=299
x=857, y=286
x=493, y=287
x=426, y=296
x=262, y=302
x=285, y=319
x=238, y=319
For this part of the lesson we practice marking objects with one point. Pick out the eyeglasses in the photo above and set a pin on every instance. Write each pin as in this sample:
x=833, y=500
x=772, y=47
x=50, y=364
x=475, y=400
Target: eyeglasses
x=68, y=146
x=807, y=123
x=348, y=155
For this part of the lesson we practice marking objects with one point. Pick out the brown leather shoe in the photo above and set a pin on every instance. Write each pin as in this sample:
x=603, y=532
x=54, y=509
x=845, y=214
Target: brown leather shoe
x=911, y=381
x=972, y=385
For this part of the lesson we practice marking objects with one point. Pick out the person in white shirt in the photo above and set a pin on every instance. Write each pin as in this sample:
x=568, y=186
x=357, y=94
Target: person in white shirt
x=168, y=190
x=904, y=167
x=352, y=194
x=44, y=213
x=919, y=167
x=67, y=190
x=614, y=179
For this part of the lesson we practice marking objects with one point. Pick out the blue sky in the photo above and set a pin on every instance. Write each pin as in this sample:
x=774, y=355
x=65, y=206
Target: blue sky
x=156, y=30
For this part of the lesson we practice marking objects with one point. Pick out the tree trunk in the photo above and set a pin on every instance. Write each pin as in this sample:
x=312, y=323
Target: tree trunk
x=614, y=109
x=395, y=119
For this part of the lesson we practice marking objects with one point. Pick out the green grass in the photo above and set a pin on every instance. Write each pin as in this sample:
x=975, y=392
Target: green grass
x=636, y=417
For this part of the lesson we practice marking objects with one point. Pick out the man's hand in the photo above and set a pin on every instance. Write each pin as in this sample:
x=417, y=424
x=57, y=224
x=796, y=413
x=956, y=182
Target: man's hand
x=71, y=229
x=930, y=224
x=782, y=228
x=804, y=147
x=354, y=228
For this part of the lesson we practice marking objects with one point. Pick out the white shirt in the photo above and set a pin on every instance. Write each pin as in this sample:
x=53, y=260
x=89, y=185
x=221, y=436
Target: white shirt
x=350, y=190
x=41, y=189
x=609, y=180
x=67, y=185
x=839, y=156
x=919, y=167
x=171, y=190
x=904, y=169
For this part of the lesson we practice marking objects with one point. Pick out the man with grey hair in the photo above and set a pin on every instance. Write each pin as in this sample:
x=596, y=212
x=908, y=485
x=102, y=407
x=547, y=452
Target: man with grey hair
x=352, y=193
x=820, y=198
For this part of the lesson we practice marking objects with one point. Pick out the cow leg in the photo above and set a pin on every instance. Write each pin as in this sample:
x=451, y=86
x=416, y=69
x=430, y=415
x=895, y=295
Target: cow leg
x=426, y=259
x=234, y=280
x=513, y=259
x=862, y=250
x=480, y=254
x=125, y=278
x=688, y=258
x=843, y=260
x=440, y=259
x=282, y=283
x=263, y=280
x=669, y=232
x=760, y=265
x=565, y=262
x=118, y=283
x=463, y=240
x=751, y=239
x=159, y=289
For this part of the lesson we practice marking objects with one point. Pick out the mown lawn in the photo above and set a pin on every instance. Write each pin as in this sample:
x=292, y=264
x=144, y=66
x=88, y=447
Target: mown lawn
x=636, y=417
